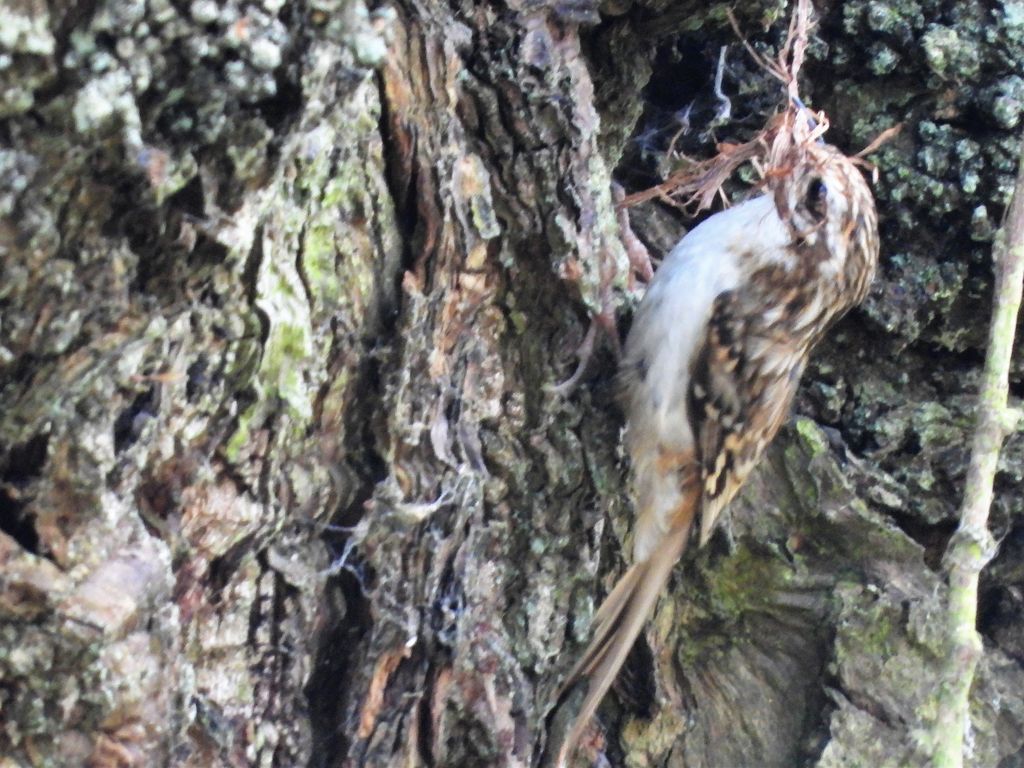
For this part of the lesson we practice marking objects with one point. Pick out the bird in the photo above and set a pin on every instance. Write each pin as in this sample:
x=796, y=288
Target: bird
x=711, y=365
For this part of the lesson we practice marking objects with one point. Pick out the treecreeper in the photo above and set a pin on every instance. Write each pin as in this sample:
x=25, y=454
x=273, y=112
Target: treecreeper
x=712, y=362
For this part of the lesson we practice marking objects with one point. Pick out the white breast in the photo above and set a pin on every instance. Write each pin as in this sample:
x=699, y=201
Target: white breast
x=669, y=330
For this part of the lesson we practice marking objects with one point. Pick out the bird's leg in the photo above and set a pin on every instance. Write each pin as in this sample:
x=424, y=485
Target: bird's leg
x=583, y=353
x=636, y=251
x=639, y=267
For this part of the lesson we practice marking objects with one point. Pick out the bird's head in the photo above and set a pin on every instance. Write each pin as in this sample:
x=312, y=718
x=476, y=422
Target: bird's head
x=828, y=205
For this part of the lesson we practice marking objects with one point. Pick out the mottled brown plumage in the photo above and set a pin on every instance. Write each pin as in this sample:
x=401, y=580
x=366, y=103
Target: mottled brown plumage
x=713, y=361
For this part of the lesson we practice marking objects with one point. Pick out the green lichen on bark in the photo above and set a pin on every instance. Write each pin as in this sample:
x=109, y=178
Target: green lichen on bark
x=896, y=381
x=153, y=241
x=259, y=285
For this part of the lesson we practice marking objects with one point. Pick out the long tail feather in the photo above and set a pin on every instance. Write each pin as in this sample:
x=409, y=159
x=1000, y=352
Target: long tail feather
x=617, y=624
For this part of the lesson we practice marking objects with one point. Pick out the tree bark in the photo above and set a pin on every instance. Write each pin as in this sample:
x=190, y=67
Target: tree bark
x=284, y=479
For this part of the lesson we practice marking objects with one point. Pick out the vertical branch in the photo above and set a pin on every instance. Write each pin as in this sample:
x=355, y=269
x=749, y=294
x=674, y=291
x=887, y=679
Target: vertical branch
x=972, y=545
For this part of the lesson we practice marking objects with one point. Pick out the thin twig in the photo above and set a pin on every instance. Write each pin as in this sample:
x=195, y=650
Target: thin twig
x=800, y=28
x=760, y=60
x=972, y=545
x=694, y=187
x=884, y=137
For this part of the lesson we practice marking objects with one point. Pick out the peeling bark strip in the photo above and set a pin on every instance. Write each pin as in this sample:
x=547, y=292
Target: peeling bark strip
x=499, y=187
x=273, y=266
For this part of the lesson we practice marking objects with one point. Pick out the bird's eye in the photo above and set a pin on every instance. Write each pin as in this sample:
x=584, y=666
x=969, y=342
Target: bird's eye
x=816, y=199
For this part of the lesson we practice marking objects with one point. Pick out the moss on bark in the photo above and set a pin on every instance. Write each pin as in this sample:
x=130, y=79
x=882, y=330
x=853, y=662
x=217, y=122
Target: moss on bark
x=285, y=287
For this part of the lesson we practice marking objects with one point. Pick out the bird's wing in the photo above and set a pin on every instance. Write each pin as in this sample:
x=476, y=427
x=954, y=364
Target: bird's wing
x=741, y=386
